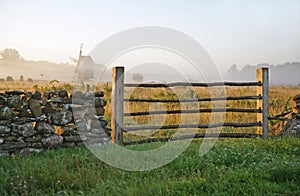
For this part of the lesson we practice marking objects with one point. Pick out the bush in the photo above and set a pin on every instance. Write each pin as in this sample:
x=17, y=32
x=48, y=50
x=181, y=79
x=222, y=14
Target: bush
x=9, y=79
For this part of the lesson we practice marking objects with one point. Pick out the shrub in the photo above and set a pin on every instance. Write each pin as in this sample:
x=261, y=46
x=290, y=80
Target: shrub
x=9, y=79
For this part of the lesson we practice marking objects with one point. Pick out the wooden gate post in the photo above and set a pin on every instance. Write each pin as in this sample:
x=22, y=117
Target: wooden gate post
x=117, y=104
x=262, y=75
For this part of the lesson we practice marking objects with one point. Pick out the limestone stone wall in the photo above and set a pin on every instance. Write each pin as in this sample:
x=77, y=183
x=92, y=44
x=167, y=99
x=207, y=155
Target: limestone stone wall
x=35, y=121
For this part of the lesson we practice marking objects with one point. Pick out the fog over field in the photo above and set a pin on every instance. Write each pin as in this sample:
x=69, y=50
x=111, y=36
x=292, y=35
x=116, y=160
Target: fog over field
x=34, y=69
x=287, y=73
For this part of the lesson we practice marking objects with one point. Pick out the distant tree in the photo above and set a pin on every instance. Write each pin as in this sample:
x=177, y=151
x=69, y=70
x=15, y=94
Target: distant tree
x=137, y=77
x=21, y=78
x=30, y=80
x=10, y=54
x=233, y=69
x=9, y=79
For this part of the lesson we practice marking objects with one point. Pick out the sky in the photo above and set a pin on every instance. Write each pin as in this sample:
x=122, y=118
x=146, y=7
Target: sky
x=237, y=32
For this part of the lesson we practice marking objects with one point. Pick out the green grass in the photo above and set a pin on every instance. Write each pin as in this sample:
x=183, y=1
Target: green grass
x=232, y=167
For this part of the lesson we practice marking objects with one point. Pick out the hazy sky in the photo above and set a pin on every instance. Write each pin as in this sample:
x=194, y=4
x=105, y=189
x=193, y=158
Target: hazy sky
x=233, y=32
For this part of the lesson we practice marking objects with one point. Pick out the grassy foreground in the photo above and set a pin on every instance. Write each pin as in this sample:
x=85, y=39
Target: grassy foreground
x=233, y=166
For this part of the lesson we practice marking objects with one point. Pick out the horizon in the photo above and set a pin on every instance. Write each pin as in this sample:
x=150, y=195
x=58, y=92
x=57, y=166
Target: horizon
x=47, y=71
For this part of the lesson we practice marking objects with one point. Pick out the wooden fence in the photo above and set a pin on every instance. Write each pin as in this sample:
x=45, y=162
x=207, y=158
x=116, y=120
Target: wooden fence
x=118, y=114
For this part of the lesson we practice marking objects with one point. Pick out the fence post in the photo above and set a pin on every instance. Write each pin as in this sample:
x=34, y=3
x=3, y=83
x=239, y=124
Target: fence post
x=87, y=88
x=117, y=104
x=262, y=75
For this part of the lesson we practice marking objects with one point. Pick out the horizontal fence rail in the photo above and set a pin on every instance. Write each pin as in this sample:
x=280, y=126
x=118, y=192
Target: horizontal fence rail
x=191, y=136
x=194, y=84
x=206, y=110
x=226, y=124
x=261, y=110
x=194, y=100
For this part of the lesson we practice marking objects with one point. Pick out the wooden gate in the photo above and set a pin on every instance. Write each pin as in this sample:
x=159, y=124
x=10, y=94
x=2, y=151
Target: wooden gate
x=261, y=97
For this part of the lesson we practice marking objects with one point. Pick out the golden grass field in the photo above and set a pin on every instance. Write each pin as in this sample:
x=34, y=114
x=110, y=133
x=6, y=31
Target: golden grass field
x=280, y=100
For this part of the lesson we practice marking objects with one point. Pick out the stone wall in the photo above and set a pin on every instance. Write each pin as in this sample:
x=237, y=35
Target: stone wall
x=35, y=121
x=289, y=121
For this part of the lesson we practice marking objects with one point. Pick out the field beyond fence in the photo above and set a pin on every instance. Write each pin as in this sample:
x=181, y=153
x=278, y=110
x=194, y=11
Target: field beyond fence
x=280, y=99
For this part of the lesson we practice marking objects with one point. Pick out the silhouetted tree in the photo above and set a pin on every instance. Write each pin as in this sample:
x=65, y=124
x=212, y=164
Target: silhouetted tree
x=9, y=79
x=10, y=54
x=21, y=78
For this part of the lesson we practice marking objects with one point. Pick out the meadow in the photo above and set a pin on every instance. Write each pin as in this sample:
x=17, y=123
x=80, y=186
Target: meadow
x=233, y=166
x=280, y=100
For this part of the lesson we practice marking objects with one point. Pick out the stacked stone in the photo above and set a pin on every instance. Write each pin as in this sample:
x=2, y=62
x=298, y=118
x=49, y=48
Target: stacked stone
x=296, y=110
x=291, y=124
x=295, y=124
x=30, y=122
x=88, y=113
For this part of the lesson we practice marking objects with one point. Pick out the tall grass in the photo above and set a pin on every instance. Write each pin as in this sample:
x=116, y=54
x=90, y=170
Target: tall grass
x=279, y=102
